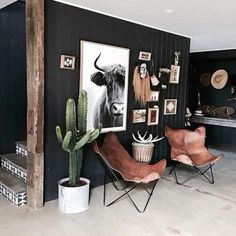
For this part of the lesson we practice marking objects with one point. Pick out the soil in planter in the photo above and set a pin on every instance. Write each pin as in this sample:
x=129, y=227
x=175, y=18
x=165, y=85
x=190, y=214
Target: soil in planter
x=81, y=183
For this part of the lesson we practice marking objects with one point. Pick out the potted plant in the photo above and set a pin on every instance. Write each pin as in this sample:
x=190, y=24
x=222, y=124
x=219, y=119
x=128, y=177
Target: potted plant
x=143, y=147
x=73, y=192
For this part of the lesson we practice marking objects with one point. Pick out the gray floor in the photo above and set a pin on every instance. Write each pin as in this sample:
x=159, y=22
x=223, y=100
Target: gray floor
x=197, y=208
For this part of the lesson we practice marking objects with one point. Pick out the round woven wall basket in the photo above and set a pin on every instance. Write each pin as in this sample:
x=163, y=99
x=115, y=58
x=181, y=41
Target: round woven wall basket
x=142, y=152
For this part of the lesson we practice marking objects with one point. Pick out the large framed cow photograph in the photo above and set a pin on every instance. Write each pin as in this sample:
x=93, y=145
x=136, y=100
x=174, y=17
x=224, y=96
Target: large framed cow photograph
x=104, y=75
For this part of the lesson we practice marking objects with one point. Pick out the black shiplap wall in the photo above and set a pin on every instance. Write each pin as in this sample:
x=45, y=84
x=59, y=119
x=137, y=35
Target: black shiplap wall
x=209, y=62
x=65, y=27
x=12, y=76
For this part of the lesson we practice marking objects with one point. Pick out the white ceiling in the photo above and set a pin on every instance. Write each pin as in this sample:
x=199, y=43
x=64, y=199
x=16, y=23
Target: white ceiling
x=209, y=23
x=4, y=3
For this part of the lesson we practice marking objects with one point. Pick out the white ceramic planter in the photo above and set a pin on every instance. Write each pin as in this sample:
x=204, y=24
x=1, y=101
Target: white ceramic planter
x=142, y=152
x=73, y=199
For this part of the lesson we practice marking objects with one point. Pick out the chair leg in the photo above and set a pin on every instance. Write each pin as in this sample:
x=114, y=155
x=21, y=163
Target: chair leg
x=114, y=177
x=200, y=172
x=150, y=195
x=175, y=174
x=172, y=168
x=126, y=193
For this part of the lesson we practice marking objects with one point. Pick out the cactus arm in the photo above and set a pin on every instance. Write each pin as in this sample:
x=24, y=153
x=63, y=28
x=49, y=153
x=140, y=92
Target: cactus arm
x=66, y=141
x=93, y=135
x=82, y=112
x=58, y=133
x=70, y=115
x=82, y=141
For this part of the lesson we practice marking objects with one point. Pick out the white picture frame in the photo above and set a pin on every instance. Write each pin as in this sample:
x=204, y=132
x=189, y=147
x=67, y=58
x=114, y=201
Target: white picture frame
x=67, y=62
x=111, y=114
x=153, y=116
x=174, y=74
x=154, y=96
x=144, y=56
x=170, y=106
x=139, y=116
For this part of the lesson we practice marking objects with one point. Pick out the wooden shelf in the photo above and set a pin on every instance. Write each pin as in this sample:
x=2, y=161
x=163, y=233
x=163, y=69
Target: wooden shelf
x=213, y=121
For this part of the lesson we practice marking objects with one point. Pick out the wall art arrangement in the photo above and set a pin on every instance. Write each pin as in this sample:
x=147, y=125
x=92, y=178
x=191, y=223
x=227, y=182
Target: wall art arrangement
x=170, y=106
x=67, y=62
x=154, y=80
x=139, y=115
x=145, y=56
x=153, y=115
x=218, y=79
x=164, y=74
x=141, y=83
x=143, y=77
x=104, y=74
x=174, y=75
x=205, y=79
x=175, y=70
x=154, y=96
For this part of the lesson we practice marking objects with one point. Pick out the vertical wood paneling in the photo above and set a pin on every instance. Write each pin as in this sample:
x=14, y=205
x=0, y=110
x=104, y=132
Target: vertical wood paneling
x=210, y=62
x=12, y=76
x=65, y=27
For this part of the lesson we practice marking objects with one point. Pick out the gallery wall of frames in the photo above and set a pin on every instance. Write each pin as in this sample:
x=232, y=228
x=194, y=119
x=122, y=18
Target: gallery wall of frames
x=82, y=44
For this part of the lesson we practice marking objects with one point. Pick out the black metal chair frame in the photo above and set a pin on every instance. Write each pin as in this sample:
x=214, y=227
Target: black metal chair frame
x=198, y=170
x=127, y=188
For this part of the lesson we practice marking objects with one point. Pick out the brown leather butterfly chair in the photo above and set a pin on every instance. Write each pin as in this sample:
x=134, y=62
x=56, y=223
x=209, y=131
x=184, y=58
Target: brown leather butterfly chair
x=118, y=163
x=188, y=147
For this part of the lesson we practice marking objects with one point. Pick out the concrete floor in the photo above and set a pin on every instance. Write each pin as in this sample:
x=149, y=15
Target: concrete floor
x=197, y=208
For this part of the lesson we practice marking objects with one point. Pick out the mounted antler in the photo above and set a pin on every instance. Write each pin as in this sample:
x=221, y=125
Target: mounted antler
x=150, y=139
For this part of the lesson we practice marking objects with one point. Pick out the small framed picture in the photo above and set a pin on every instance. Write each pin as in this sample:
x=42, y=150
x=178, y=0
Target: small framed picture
x=67, y=62
x=144, y=56
x=154, y=96
x=139, y=115
x=174, y=74
x=153, y=116
x=170, y=106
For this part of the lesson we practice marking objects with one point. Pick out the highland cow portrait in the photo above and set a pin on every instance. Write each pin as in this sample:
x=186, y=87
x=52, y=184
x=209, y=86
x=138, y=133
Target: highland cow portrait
x=104, y=74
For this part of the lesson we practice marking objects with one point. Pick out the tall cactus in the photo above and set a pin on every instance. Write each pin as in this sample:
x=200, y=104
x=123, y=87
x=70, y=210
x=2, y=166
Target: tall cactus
x=76, y=135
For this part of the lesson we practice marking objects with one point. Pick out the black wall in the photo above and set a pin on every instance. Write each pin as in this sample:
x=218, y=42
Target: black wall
x=12, y=76
x=65, y=27
x=209, y=62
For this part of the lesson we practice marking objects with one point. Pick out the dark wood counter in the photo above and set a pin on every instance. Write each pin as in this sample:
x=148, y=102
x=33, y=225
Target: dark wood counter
x=213, y=121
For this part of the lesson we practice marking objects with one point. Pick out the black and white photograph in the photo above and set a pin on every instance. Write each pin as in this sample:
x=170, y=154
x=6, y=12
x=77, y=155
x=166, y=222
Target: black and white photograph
x=104, y=75
x=67, y=62
x=139, y=115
